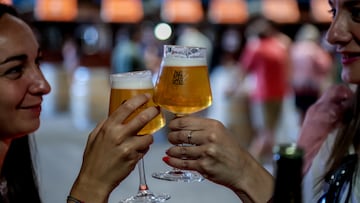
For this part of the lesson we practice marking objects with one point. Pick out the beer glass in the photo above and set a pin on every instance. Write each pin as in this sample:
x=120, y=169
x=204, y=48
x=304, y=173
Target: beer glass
x=183, y=88
x=123, y=87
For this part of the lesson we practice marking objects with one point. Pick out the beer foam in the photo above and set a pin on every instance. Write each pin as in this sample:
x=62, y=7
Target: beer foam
x=132, y=80
x=174, y=61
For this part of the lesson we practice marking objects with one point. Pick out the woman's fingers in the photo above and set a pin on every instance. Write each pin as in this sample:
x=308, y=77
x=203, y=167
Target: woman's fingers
x=143, y=118
x=115, y=125
x=337, y=94
x=128, y=107
x=184, y=137
x=187, y=123
x=180, y=163
x=193, y=130
x=185, y=152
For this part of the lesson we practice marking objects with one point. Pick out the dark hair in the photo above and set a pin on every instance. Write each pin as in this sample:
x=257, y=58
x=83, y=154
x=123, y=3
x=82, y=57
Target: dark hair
x=18, y=169
x=19, y=172
x=8, y=9
x=339, y=158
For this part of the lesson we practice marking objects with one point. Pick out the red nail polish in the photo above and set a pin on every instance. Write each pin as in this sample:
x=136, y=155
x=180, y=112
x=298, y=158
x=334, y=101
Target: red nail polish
x=166, y=159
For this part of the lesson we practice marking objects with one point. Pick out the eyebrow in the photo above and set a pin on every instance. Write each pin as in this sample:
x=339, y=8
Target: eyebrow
x=20, y=57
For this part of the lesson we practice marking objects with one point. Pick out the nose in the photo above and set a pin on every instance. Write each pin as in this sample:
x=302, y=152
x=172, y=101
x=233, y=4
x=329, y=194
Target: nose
x=339, y=33
x=39, y=85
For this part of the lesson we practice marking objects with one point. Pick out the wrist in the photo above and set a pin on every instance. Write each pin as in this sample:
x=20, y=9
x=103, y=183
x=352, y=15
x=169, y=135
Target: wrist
x=86, y=191
x=71, y=199
x=257, y=183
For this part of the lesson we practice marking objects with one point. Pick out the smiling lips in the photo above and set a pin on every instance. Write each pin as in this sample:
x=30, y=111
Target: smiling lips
x=36, y=109
x=350, y=58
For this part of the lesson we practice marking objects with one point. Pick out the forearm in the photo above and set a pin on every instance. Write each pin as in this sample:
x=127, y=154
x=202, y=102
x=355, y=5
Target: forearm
x=88, y=192
x=257, y=184
x=308, y=157
x=310, y=145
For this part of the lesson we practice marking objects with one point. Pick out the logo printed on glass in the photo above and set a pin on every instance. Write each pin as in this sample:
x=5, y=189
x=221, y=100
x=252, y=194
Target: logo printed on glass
x=178, y=78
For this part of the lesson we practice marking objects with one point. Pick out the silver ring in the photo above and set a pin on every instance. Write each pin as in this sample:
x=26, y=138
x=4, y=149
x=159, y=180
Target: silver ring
x=189, y=137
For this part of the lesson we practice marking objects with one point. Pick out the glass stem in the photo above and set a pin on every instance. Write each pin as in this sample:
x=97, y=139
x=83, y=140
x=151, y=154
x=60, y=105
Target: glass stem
x=143, y=187
x=176, y=170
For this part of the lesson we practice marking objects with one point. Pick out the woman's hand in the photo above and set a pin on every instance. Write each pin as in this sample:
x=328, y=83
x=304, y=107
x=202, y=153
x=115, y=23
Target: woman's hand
x=218, y=157
x=322, y=118
x=112, y=151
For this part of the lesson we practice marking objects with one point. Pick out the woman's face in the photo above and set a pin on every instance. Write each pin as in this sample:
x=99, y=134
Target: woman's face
x=22, y=85
x=344, y=32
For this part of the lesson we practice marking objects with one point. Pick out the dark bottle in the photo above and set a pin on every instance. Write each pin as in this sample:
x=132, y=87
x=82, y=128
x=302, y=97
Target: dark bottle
x=288, y=159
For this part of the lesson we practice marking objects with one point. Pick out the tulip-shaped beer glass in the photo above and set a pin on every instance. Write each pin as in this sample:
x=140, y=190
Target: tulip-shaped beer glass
x=123, y=87
x=183, y=88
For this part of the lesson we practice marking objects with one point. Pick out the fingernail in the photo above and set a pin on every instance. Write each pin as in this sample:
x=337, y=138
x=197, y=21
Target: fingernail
x=166, y=159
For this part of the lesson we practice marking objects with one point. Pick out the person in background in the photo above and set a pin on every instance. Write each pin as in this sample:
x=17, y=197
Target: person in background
x=265, y=56
x=194, y=35
x=311, y=65
x=230, y=109
x=111, y=145
x=329, y=134
x=127, y=54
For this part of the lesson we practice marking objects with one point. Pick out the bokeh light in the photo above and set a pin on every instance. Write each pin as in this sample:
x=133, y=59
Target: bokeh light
x=162, y=31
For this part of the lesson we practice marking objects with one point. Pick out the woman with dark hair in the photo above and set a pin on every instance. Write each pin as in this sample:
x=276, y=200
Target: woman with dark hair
x=18, y=180
x=111, y=145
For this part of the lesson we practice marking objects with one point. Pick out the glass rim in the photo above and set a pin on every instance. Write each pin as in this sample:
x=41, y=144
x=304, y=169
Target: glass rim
x=132, y=74
x=184, y=52
x=184, y=46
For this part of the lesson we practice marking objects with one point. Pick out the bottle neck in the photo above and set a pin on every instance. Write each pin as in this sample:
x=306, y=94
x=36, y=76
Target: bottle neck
x=288, y=181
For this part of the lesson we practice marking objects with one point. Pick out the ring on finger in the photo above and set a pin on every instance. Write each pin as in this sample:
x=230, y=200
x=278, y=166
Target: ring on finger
x=189, y=137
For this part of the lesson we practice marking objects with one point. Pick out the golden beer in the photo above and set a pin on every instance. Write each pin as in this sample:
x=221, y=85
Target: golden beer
x=127, y=85
x=183, y=85
x=183, y=90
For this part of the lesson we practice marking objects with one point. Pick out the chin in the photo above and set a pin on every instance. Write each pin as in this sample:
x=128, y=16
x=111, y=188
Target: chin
x=351, y=78
x=30, y=127
x=351, y=73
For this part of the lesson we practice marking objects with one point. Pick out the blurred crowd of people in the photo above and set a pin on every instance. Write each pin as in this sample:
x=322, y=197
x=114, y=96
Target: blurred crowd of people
x=258, y=73
x=267, y=77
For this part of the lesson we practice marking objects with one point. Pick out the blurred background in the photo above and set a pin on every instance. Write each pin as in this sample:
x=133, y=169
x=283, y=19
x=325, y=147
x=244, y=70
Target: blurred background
x=83, y=41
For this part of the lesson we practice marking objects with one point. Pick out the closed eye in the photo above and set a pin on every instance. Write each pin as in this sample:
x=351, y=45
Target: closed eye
x=14, y=72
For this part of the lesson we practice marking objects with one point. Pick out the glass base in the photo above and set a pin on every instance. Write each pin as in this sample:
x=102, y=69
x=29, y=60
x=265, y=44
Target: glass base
x=179, y=176
x=146, y=196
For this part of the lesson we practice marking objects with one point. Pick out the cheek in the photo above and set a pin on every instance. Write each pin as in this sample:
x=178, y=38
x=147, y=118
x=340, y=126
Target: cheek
x=10, y=99
x=12, y=96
